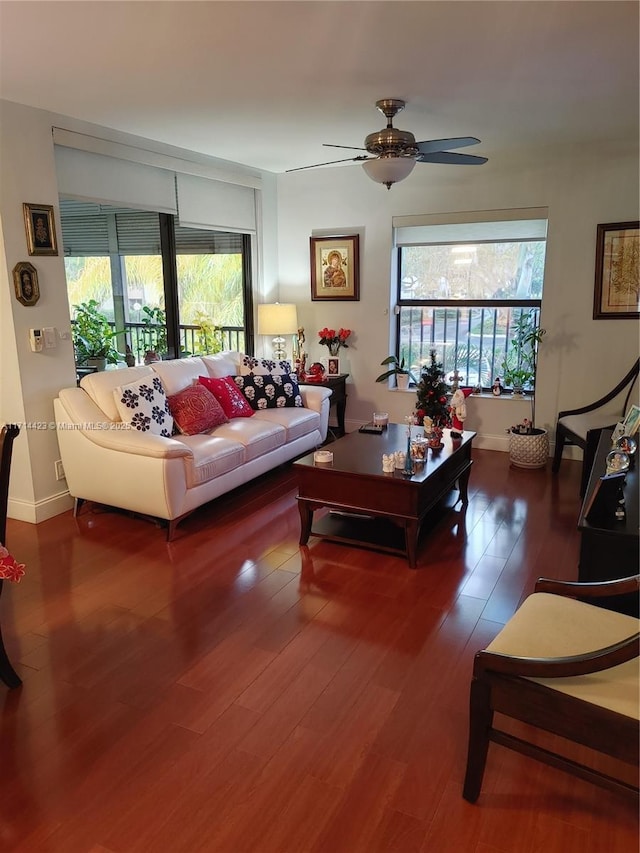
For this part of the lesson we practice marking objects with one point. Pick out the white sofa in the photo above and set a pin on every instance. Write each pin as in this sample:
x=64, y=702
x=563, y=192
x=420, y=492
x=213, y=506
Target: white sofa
x=167, y=478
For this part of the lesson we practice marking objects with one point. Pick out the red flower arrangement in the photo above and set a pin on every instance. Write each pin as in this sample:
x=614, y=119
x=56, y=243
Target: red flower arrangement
x=329, y=338
x=10, y=569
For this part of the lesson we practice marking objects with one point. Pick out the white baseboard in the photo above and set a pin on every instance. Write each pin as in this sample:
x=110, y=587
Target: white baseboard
x=39, y=511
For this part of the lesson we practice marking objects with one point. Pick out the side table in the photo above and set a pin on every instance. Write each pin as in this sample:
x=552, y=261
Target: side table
x=610, y=549
x=338, y=385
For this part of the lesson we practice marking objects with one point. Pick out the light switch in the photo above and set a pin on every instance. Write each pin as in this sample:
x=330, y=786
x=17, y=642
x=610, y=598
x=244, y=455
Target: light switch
x=50, y=334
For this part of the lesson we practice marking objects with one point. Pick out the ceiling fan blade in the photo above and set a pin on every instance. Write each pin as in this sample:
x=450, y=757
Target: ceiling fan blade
x=330, y=163
x=430, y=146
x=352, y=147
x=451, y=158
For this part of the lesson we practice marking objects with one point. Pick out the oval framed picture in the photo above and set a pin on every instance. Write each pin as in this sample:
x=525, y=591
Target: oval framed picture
x=25, y=281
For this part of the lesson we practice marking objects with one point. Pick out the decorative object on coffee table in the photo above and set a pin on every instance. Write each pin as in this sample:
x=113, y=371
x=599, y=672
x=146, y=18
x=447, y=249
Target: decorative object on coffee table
x=432, y=394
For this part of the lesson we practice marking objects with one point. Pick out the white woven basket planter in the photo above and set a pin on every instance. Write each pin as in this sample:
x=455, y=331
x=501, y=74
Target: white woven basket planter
x=529, y=451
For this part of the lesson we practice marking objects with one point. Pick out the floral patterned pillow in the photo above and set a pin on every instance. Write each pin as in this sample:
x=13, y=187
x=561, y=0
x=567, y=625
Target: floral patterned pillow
x=234, y=405
x=264, y=366
x=264, y=391
x=143, y=404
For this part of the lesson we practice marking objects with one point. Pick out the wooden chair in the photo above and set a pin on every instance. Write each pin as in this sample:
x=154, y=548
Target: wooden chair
x=567, y=667
x=583, y=426
x=7, y=435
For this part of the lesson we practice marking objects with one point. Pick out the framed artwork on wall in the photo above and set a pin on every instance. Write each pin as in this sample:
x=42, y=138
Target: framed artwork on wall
x=25, y=282
x=616, y=295
x=335, y=268
x=41, y=229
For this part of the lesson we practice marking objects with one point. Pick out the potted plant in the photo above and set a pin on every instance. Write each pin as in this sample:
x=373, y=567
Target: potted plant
x=93, y=337
x=154, y=334
x=403, y=375
x=528, y=445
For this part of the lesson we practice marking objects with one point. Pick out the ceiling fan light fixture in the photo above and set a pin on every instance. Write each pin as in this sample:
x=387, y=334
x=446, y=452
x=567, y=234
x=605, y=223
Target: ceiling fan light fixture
x=389, y=170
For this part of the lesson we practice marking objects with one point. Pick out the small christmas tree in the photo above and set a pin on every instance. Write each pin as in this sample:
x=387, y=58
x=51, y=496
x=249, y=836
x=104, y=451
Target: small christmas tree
x=432, y=395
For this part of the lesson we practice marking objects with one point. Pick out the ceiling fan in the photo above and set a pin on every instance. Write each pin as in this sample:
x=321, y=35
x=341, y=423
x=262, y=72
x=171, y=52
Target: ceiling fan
x=392, y=153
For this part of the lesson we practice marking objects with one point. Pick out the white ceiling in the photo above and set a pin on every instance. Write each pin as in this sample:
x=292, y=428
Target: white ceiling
x=265, y=84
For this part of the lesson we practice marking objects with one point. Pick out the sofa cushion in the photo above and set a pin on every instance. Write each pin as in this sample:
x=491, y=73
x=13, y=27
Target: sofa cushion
x=258, y=436
x=266, y=391
x=196, y=410
x=233, y=403
x=144, y=405
x=100, y=386
x=263, y=366
x=178, y=373
x=212, y=457
x=297, y=422
x=222, y=363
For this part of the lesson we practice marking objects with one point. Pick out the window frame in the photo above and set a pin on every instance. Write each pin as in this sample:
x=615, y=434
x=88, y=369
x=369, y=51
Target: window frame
x=449, y=304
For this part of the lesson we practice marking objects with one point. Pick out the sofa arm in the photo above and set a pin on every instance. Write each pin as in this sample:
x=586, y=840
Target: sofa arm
x=313, y=397
x=75, y=411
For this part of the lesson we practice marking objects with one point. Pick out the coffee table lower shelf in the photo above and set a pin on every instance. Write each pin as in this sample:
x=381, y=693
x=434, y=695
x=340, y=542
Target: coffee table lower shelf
x=376, y=533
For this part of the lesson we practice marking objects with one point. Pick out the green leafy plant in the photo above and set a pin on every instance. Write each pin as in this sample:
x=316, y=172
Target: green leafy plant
x=519, y=364
x=154, y=334
x=209, y=336
x=397, y=369
x=93, y=337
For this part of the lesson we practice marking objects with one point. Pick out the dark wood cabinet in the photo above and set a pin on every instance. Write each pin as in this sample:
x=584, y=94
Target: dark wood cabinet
x=338, y=385
x=609, y=548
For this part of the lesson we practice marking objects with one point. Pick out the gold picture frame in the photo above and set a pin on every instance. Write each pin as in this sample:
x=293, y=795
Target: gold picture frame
x=41, y=229
x=616, y=294
x=25, y=282
x=335, y=268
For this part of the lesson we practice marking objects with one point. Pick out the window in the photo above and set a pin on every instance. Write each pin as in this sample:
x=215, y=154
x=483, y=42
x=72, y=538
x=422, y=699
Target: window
x=460, y=289
x=173, y=289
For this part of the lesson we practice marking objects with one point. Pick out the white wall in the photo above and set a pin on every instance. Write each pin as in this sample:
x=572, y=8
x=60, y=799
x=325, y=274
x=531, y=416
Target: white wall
x=29, y=381
x=580, y=358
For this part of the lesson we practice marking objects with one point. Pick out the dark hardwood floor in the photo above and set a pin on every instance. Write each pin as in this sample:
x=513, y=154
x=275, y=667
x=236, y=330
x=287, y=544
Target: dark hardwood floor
x=231, y=692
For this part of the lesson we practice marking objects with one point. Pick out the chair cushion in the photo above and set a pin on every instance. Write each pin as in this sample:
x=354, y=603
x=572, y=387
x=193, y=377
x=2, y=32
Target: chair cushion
x=144, y=405
x=580, y=425
x=555, y=626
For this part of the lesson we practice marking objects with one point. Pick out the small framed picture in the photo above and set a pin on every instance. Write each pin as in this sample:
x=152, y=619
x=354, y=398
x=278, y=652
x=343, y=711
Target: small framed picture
x=335, y=268
x=617, y=270
x=41, y=229
x=631, y=421
x=333, y=366
x=25, y=281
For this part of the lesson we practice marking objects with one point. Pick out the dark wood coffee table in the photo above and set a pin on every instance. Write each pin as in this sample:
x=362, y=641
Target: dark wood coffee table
x=363, y=500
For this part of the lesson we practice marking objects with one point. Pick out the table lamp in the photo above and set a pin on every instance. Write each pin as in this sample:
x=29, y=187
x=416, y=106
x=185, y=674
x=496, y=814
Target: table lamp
x=278, y=319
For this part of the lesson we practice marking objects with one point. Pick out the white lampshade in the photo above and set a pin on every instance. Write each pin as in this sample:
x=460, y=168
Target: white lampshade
x=389, y=170
x=278, y=318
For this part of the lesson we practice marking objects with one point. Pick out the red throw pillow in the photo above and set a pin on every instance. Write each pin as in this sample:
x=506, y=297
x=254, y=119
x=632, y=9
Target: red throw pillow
x=226, y=392
x=196, y=410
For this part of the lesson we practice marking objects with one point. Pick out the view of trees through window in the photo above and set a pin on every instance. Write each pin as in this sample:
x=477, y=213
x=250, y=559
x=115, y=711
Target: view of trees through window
x=463, y=300
x=125, y=275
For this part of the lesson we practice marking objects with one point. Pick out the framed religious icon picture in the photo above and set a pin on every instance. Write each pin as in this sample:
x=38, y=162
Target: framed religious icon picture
x=25, y=281
x=41, y=229
x=335, y=268
x=616, y=295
